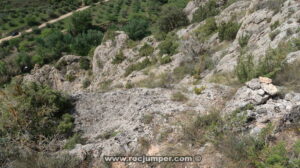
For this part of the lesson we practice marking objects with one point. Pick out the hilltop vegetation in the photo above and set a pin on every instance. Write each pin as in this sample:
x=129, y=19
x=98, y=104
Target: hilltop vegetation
x=18, y=15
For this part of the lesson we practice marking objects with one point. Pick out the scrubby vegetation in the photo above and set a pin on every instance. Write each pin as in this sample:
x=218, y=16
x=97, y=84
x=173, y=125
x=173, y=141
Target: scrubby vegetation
x=208, y=10
x=169, y=45
x=31, y=116
x=228, y=31
x=269, y=65
x=206, y=30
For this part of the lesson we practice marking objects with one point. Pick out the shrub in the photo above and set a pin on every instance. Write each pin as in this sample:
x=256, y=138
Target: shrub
x=44, y=160
x=119, y=58
x=274, y=5
x=31, y=21
x=245, y=69
x=147, y=118
x=165, y=59
x=169, y=45
x=197, y=130
x=178, y=96
x=243, y=40
x=288, y=76
x=272, y=35
x=171, y=18
x=23, y=60
x=31, y=110
x=86, y=83
x=187, y=68
x=3, y=69
x=276, y=156
x=108, y=134
x=84, y=63
x=72, y=141
x=199, y=91
x=70, y=77
x=208, y=10
x=272, y=63
x=228, y=31
x=137, y=67
x=275, y=25
x=66, y=125
x=84, y=42
x=137, y=28
x=146, y=50
x=80, y=22
x=206, y=30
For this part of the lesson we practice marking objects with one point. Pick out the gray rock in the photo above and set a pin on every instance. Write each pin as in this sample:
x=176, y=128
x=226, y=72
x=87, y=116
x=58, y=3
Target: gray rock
x=254, y=84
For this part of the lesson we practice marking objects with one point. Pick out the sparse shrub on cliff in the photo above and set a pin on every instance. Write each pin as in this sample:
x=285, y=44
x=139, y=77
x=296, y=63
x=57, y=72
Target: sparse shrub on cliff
x=208, y=10
x=243, y=40
x=274, y=5
x=207, y=29
x=178, y=96
x=228, y=31
x=245, y=69
x=119, y=58
x=137, y=67
x=169, y=45
x=171, y=18
x=146, y=50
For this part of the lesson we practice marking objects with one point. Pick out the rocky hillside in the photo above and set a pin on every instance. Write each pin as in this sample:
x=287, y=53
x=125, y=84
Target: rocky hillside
x=225, y=86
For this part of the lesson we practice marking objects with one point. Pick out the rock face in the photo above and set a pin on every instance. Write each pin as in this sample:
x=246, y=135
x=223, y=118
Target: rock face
x=267, y=107
x=65, y=76
x=113, y=122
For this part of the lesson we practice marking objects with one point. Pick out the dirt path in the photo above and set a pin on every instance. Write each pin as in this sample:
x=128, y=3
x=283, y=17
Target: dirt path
x=45, y=24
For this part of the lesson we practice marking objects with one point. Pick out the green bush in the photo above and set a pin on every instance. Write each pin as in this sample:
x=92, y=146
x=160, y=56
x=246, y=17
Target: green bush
x=31, y=21
x=197, y=130
x=200, y=90
x=178, y=96
x=288, y=76
x=32, y=110
x=171, y=18
x=275, y=25
x=243, y=40
x=84, y=42
x=269, y=65
x=119, y=58
x=72, y=141
x=45, y=160
x=66, y=125
x=86, y=83
x=70, y=77
x=208, y=10
x=207, y=29
x=228, y=31
x=3, y=69
x=165, y=59
x=169, y=45
x=84, y=63
x=80, y=22
x=274, y=34
x=137, y=67
x=146, y=50
x=137, y=28
x=274, y=5
x=245, y=69
x=272, y=63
